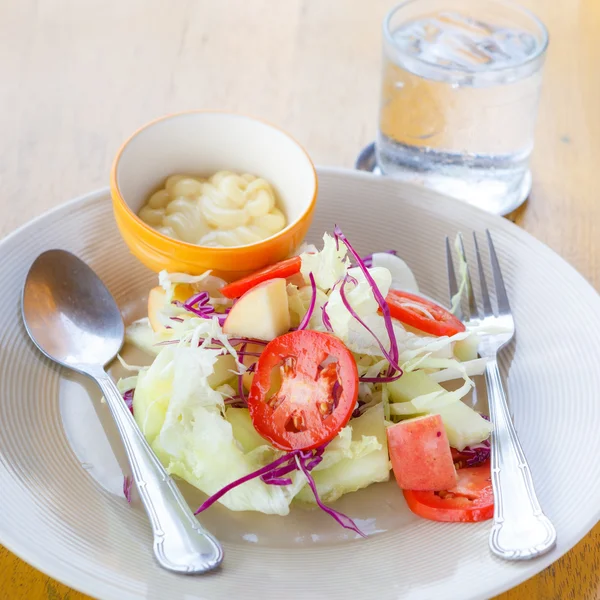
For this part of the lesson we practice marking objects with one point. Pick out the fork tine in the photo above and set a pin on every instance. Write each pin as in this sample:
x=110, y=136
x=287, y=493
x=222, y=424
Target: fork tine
x=452, y=285
x=501, y=296
x=485, y=296
x=473, y=311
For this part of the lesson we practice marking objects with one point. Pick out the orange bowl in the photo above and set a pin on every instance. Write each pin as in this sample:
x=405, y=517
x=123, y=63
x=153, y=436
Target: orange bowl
x=201, y=143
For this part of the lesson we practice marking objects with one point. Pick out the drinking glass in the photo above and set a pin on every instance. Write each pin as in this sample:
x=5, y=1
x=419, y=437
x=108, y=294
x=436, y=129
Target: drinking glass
x=460, y=89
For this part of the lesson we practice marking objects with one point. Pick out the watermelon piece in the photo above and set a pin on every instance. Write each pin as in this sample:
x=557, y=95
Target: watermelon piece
x=421, y=455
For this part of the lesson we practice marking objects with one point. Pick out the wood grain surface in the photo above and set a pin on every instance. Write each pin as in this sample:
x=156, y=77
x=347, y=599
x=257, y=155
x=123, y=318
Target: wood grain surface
x=78, y=76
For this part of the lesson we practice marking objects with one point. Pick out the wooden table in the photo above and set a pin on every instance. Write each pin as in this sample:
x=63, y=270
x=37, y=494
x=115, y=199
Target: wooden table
x=78, y=77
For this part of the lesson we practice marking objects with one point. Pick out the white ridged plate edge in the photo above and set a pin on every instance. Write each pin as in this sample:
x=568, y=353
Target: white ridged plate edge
x=62, y=521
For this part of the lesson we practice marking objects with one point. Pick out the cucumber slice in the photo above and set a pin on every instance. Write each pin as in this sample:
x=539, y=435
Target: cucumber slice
x=411, y=385
x=463, y=425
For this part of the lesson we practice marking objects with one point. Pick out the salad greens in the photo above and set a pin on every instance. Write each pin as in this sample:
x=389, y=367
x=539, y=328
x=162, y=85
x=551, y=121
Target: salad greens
x=190, y=402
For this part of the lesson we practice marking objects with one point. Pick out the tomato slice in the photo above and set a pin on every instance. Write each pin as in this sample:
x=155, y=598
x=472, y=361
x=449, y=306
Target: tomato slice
x=471, y=500
x=283, y=269
x=420, y=313
x=317, y=394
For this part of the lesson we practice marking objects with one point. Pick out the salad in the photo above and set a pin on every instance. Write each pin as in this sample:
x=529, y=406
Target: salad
x=313, y=378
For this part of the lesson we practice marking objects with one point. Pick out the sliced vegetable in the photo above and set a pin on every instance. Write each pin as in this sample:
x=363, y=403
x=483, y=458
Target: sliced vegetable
x=309, y=409
x=152, y=396
x=352, y=464
x=360, y=300
x=472, y=456
x=341, y=518
x=243, y=430
x=416, y=393
x=311, y=307
x=157, y=299
x=168, y=281
x=262, y=312
x=463, y=276
x=328, y=265
x=250, y=359
x=392, y=354
x=469, y=368
x=472, y=499
x=283, y=269
x=464, y=426
x=127, y=484
x=420, y=454
x=182, y=419
x=412, y=385
x=300, y=300
x=422, y=314
x=466, y=350
x=402, y=276
x=223, y=371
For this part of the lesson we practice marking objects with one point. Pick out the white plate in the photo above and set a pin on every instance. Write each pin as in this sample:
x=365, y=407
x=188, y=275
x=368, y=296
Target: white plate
x=62, y=506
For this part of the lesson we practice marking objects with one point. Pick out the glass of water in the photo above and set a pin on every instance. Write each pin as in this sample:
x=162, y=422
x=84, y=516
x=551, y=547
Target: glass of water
x=460, y=90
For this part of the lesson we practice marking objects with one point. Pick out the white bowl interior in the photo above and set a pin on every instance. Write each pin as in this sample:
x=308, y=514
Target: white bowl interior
x=203, y=143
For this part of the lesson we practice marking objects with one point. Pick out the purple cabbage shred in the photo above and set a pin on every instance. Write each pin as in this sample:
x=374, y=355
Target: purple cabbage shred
x=368, y=260
x=200, y=306
x=128, y=399
x=392, y=354
x=325, y=318
x=381, y=379
x=274, y=474
x=476, y=454
x=341, y=518
x=306, y=319
x=127, y=484
x=240, y=385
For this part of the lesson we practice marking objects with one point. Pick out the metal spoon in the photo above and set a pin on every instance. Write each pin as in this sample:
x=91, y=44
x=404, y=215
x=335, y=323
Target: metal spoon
x=73, y=319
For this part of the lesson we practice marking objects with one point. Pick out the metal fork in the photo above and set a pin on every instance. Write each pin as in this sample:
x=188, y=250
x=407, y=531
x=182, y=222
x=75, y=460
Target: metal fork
x=521, y=530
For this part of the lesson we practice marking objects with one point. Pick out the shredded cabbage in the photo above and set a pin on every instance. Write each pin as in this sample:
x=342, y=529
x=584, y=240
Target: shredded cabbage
x=299, y=300
x=328, y=266
x=463, y=275
x=142, y=336
x=183, y=419
x=168, y=280
x=186, y=423
x=359, y=463
x=456, y=371
x=360, y=297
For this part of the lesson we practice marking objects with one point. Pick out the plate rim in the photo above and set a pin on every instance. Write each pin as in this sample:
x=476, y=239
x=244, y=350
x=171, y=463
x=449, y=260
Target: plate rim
x=63, y=572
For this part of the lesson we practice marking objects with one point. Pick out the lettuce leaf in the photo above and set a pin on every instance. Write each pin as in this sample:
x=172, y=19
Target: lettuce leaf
x=299, y=301
x=183, y=419
x=361, y=299
x=357, y=458
x=327, y=266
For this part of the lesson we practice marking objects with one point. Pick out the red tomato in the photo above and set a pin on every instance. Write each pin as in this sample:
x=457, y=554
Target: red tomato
x=283, y=269
x=422, y=314
x=471, y=500
x=309, y=409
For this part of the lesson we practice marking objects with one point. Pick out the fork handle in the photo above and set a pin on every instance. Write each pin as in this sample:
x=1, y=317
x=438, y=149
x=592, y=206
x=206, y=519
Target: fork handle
x=521, y=530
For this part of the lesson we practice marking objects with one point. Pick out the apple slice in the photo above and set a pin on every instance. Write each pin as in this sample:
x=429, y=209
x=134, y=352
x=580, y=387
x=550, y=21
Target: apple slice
x=421, y=455
x=261, y=313
x=157, y=299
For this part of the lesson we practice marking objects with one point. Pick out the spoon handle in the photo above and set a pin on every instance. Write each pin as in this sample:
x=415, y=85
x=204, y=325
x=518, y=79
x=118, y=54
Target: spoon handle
x=181, y=544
